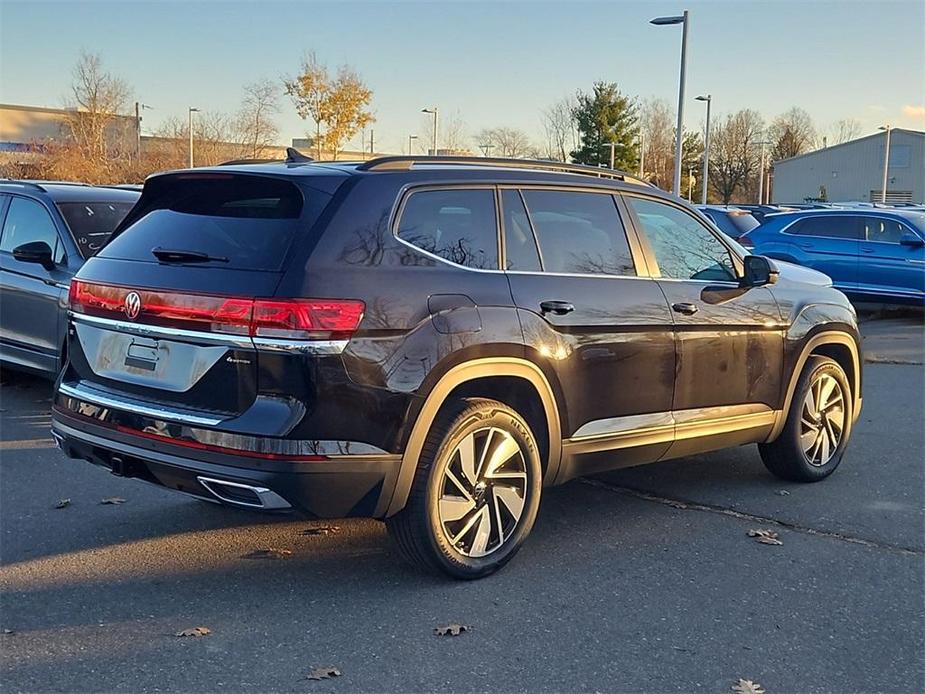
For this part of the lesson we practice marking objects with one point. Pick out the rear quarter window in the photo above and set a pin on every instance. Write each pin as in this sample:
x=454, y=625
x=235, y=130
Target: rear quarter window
x=248, y=221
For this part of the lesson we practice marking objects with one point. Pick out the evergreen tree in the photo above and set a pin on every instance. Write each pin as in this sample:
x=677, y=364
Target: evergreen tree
x=607, y=115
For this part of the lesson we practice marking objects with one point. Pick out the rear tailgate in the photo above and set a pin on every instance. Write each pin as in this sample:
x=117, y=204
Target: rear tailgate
x=162, y=317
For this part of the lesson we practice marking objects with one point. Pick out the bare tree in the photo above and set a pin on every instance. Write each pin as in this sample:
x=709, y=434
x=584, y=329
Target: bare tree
x=255, y=122
x=451, y=132
x=561, y=133
x=96, y=101
x=505, y=142
x=734, y=155
x=791, y=133
x=213, y=140
x=658, y=127
x=843, y=130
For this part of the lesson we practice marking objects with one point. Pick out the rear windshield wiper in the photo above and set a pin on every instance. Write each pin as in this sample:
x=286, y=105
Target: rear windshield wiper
x=172, y=255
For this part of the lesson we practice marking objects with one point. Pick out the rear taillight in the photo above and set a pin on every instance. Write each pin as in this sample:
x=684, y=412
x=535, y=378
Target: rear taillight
x=745, y=241
x=303, y=319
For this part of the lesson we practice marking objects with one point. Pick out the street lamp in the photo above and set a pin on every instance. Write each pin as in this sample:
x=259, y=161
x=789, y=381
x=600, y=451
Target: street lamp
x=666, y=21
x=139, y=107
x=886, y=161
x=191, y=112
x=433, y=111
x=761, y=172
x=706, y=149
x=411, y=139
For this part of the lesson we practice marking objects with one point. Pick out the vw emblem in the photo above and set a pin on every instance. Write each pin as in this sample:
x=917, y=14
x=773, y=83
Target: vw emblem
x=132, y=305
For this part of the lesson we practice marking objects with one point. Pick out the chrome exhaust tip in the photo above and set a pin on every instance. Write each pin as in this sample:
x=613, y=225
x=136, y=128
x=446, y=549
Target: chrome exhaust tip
x=245, y=495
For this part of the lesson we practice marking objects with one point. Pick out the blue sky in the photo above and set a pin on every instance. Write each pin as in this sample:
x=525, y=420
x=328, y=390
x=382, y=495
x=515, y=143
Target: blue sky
x=494, y=63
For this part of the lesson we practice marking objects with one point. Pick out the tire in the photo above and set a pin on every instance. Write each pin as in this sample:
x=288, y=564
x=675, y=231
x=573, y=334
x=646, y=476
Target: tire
x=453, y=489
x=804, y=451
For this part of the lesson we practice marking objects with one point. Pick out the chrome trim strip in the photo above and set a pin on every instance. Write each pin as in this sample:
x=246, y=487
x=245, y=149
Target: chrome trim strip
x=157, y=331
x=301, y=346
x=676, y=425
x=269, y=500
x=95, y=397
x=614, y=426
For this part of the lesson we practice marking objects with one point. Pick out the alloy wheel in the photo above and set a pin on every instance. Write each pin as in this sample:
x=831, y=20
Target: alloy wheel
x=483, y=492
x=822, y=420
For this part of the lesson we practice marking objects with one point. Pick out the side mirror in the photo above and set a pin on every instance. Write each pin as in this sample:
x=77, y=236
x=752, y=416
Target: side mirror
x=911, y=240
x=35, y=252
x=759, y=271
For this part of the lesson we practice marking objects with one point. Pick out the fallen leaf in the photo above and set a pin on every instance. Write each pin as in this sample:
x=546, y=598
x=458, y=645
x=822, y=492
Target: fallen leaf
x=782, y=492
x=113, y=500
x=323, y=673
x=8, y=632
x=452, y=630
x=765, y=537
x=271, y=553
x=747, y=687
x=195, y=631
x=321, y=530
x=64, y=503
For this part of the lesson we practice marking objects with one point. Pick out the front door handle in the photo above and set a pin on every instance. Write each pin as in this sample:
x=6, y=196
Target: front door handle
x=685, y=308
x=805, y=245
x=560, y=308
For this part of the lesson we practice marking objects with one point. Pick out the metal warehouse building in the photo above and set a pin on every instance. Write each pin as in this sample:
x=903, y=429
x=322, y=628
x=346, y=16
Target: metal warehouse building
x=853, y=171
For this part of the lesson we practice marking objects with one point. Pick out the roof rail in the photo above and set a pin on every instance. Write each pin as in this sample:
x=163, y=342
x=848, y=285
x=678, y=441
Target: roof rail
x=235, y=162
x=405, y=163
x=13, y=181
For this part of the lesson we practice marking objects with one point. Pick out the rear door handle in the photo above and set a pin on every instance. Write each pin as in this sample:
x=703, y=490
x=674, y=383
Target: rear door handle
x=685, y=308
x=867, y=250
x=805, y=245
x=560, y=308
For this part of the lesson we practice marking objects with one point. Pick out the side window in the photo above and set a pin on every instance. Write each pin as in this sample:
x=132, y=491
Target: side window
x=459, y=225
x=882, y=230
x=683, y=247
x=519, y=243
x=579, y=232
x=829, y=226
x=27, y=221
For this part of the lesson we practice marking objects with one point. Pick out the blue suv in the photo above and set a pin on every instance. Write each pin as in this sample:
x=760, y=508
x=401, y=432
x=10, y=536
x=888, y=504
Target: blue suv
x=871, y=253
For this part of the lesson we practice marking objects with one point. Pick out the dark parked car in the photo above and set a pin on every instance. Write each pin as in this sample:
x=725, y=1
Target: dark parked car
x=870, y=253
x=432, y=341
x=47, y=231
x=732, y=221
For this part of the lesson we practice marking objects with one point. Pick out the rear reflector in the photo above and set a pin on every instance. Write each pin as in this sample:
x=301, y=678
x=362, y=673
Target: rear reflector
x=303, y=319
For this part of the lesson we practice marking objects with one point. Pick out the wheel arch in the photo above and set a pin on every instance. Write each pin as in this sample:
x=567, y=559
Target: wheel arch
x=835, y=344
x=464, y=380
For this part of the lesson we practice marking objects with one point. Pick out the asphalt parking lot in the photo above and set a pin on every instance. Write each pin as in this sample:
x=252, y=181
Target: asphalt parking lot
x=641, y=581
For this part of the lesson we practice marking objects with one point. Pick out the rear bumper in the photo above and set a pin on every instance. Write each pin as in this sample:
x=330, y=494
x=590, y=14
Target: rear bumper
x=333, y=487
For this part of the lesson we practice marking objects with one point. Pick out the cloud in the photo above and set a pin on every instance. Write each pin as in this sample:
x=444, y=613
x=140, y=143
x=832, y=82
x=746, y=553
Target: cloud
x=917, y=112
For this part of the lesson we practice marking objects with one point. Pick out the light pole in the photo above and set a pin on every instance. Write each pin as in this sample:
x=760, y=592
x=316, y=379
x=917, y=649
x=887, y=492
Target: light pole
x=690, y=183
x=886, y=162
x=706, y=149
x=433, y=111
x=411, y=139
x=642, y=153
x=679, y=138
x=761, y=172
x=138, y=108
x=191, y=112
x=612, y=154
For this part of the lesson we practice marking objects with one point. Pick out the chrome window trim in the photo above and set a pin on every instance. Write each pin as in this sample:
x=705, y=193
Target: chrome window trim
x=95, y=397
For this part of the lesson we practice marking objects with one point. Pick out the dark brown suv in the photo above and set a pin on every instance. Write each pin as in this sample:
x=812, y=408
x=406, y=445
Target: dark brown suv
x=432, y=341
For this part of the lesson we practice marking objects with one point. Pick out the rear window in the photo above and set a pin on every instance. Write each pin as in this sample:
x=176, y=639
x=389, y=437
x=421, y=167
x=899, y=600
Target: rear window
x=829, y=226
x=91, y=223
x=458, y=225
x=248, y=222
